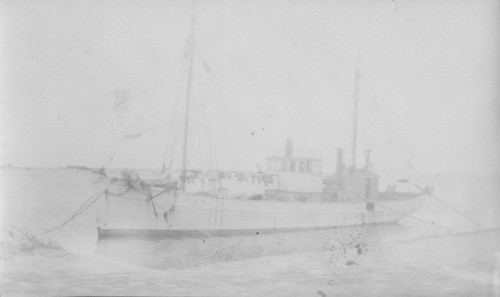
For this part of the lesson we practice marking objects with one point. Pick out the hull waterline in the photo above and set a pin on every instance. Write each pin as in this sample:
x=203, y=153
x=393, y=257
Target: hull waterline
x=181, y=215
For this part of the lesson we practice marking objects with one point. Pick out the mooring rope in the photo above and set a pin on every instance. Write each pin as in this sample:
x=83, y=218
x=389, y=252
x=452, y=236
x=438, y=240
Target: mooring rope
x=451, y=207
x=410, y=216
x=78, y=212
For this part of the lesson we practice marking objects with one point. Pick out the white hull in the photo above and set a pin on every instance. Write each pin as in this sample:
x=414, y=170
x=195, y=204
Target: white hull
x=183, y=214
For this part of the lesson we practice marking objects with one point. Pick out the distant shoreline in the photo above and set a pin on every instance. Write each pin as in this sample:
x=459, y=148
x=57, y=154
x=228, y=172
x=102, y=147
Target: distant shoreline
x=86, y=168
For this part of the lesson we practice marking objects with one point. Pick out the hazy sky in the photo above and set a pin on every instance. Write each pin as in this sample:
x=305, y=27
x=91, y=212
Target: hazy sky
x=264, y=71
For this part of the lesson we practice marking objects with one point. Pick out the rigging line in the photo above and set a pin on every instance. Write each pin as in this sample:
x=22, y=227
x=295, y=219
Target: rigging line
x=451, y=207
x=214, y=78
x=357, y=75
x=197, y=126
x=155, y=79
x=200, y=135
x=212, y=165
x=150, y=79
x=189, y=54
x=170, y=146
x=364, y=126
x=410, y=216
x=208, y=152
x=118, y=145
x=207, y=137
x=171, y=157
x=162, y=62
x=212, y=155
x=216, y=160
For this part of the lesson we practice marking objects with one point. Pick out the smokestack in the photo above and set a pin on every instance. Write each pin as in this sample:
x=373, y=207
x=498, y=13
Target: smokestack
x=367, y=159
x=340, y=161
x=355, y=119
x=289, y=148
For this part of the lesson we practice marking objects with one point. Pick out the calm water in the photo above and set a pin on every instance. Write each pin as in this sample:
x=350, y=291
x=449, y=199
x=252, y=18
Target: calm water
x=417, y=257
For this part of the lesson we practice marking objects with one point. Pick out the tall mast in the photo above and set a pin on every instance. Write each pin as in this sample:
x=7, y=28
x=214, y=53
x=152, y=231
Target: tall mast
x=190, y=56
x=355, y=119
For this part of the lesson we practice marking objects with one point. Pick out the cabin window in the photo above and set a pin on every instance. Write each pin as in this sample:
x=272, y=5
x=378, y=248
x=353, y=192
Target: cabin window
x=292, y=166
x=302, y=166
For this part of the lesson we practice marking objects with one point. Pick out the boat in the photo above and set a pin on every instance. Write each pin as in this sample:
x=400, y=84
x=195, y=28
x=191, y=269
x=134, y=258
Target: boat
x=295, y=196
